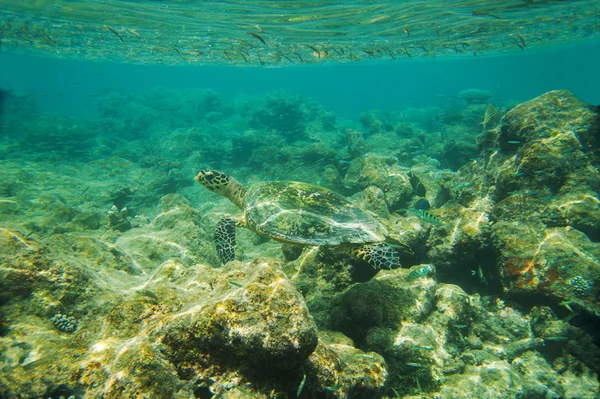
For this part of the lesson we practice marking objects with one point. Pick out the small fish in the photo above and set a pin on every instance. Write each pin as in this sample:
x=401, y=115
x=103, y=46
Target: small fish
x=256, y=35
x=147, y=293
x=477, y=13
x=514, y=141
x=519, y=43
x=556, y=339
x=390, y=52
x=313, y=48
x=364, y=356
x=236, y=284
x=428, y=217
x=333, y=388
x=460, y=326
x=423, y=347
x=422, y=203
x=522, y=39
x=489, y=116
x=301, y=386
x=257, y=27
x=422, y=271
x=114, y=31
x=479, y=272
x=567, y=304
x=402, y=248
x=407, y=30
x=482, y=278
x=518, y=174
x=415, y=365
x=179, y=52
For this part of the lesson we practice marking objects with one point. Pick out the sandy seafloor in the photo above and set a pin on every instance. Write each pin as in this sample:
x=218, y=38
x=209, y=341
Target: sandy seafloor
x=111, y=287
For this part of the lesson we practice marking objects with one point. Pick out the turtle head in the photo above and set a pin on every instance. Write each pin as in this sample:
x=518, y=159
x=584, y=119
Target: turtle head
x=213, y=180
x=224, y=185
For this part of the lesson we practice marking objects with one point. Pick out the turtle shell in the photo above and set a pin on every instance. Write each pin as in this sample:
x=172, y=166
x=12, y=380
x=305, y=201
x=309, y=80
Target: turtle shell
x=306, y=214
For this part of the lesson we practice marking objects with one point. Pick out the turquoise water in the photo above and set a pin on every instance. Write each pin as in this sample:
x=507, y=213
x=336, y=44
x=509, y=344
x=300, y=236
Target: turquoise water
x=344, y=89
x=397, y=199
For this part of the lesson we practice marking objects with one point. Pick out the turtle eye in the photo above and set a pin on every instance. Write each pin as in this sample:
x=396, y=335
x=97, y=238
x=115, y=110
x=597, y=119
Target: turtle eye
x=209, y=176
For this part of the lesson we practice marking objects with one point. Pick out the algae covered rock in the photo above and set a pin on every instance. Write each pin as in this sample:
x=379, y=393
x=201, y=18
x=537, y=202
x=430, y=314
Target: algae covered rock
x=373, y=200
x=384, y=302
x=382, y=172
x=525, y=215
x=253, y=315
x=356, y=143
x=449, y=340
x=342, y=371
x=176, y=231
x=432, y=182
x=547, y=187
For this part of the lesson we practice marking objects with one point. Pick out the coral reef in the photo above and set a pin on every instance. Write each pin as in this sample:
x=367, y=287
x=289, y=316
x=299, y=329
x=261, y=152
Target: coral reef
x=117, y=219
x=156, y=325
x=383, y=173
x=64, y=323
x=547, y=169
x=499, y=295
x=283, y=115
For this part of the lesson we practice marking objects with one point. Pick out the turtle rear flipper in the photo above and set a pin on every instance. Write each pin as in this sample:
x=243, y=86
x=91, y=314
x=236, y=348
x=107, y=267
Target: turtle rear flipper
x=380, y=256
x=225, y=240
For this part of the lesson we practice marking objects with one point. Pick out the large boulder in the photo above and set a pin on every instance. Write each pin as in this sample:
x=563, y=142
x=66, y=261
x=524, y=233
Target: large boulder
x=252, y=316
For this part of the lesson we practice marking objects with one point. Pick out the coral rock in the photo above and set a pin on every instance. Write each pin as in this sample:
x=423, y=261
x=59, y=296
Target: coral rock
x=253, y=315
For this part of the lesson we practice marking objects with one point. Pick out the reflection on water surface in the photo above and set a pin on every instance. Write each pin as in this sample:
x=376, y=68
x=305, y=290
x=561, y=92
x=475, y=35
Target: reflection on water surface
x=279, y=33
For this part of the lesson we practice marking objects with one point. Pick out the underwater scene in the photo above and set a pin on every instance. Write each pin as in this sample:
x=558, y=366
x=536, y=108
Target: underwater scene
x=299, y=199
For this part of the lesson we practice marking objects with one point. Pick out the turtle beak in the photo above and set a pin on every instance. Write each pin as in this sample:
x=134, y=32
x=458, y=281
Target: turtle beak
x=206, y=178
x=201, y=177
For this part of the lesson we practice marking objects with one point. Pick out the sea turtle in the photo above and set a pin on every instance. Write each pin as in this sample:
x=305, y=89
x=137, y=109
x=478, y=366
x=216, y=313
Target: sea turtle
x=300, y=213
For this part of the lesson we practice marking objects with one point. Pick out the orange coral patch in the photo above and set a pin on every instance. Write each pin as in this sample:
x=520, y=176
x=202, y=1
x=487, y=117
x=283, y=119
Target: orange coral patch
x=528, y=273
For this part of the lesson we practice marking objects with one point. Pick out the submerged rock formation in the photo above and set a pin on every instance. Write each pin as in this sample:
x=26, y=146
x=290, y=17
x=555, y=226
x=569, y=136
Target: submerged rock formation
x=540, y=184
x=140, y=326
x=503, y=286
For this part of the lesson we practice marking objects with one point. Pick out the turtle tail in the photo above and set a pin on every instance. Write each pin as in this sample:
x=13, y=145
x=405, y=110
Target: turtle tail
x=225, y=240
x=380, y=256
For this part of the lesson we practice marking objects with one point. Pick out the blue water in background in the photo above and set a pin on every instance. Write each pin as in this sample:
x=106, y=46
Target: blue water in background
x=67, y=86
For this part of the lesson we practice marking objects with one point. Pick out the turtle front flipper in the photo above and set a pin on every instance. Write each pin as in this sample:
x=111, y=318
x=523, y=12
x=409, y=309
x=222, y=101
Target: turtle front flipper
x=380, y=256
x=225, y=239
